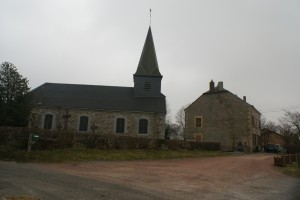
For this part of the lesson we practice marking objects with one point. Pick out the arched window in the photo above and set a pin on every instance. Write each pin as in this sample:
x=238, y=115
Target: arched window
x=143, y=126
x=48, y=121
x=83, y=123
x=120, y=125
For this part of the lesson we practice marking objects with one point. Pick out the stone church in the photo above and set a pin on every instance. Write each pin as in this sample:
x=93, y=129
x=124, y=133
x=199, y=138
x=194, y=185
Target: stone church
x=137, y=111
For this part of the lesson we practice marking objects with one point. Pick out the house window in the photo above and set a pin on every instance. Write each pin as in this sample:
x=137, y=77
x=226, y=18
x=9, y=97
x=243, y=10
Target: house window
x=147, y=86
x=143, y=126
x=120, y=126
x=83, y=123
x=48, y=121
x=198, y=122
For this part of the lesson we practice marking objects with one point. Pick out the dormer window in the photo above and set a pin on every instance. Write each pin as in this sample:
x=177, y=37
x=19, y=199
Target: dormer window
x=147, y=86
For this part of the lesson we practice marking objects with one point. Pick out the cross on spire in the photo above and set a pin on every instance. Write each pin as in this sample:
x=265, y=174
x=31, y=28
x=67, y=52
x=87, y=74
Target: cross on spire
x=150, y=16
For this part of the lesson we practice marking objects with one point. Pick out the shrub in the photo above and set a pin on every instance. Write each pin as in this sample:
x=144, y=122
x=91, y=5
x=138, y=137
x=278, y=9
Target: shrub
x=15, y=137
x=293, y=149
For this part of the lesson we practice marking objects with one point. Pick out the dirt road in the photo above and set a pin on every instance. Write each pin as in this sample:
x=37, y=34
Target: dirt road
x=229, y=177
x=243, y=177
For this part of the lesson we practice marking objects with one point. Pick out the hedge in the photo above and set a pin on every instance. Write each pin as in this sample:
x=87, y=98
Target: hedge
x=18, y=137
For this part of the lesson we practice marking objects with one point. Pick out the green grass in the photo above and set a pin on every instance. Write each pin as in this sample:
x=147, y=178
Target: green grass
x=292, y=170
x=81, y=155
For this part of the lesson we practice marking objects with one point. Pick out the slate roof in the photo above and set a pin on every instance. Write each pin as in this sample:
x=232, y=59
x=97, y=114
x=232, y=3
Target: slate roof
x=148, y=65
x=95, y=97
x=216, y=90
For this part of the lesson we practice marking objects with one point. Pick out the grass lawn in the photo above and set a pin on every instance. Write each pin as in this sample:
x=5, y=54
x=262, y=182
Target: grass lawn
x=80, y=155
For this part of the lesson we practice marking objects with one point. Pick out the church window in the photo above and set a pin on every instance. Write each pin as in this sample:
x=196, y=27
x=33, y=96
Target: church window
x=83, y=123
x=147, y=86
x=143, y=126
x=48, y=121
x=120, y=126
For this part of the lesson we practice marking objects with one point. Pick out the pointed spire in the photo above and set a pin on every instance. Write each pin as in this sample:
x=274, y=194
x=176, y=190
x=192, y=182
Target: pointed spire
x=148, y=65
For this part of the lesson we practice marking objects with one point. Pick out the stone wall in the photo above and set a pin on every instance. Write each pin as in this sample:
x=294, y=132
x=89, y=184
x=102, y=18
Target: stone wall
x=104, y=121
x=225, y=119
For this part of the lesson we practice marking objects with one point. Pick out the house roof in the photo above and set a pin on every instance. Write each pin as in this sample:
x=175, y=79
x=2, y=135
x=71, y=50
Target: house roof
x=95, y=97
x=148, y=65
x=220, y=89
x=268, y=131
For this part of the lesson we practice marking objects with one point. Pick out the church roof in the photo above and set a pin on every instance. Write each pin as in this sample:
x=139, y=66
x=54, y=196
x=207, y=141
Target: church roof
x=95, y=97
x=148, y=65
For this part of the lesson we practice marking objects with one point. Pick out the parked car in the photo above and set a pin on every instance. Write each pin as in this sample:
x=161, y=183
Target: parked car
x=274, y=148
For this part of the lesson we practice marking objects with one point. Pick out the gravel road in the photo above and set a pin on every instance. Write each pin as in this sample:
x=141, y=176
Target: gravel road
x=17, y=179
x=245, y=177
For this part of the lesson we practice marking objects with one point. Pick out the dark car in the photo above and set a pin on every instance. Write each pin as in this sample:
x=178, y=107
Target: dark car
x=274, y=148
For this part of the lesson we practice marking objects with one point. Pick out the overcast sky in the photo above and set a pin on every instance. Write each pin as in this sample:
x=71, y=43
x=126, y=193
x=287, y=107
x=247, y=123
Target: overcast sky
x=253, y=46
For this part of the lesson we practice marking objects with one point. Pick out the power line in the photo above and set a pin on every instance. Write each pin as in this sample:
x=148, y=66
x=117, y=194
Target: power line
x=280, y=109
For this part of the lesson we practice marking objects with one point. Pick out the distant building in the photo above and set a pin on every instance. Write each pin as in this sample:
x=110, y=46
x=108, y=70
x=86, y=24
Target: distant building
x=133, y=111
x=271, y=137
x=220, y=116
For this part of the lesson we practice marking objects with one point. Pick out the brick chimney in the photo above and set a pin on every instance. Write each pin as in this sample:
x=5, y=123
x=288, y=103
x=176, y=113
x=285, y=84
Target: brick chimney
x=211, y=85
x=220, y=86
x=244, y=98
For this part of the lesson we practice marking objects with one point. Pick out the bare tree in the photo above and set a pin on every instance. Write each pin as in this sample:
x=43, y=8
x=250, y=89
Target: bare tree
x=286, y=131
x=272, y=126
x=290, y=127
x=168, y=122
x=180, y=120
x=292, y=118
x=168, y=114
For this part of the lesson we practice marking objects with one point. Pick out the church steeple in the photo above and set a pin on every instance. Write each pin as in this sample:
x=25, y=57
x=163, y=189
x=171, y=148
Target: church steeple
x=147, y=78
x=148, y=65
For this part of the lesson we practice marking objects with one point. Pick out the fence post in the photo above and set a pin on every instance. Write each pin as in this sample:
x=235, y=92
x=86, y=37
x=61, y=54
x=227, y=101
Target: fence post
x=298, y=159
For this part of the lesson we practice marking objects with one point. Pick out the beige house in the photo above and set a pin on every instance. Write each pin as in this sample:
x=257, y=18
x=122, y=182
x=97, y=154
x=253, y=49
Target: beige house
x=134, y=111
x=220, y=116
